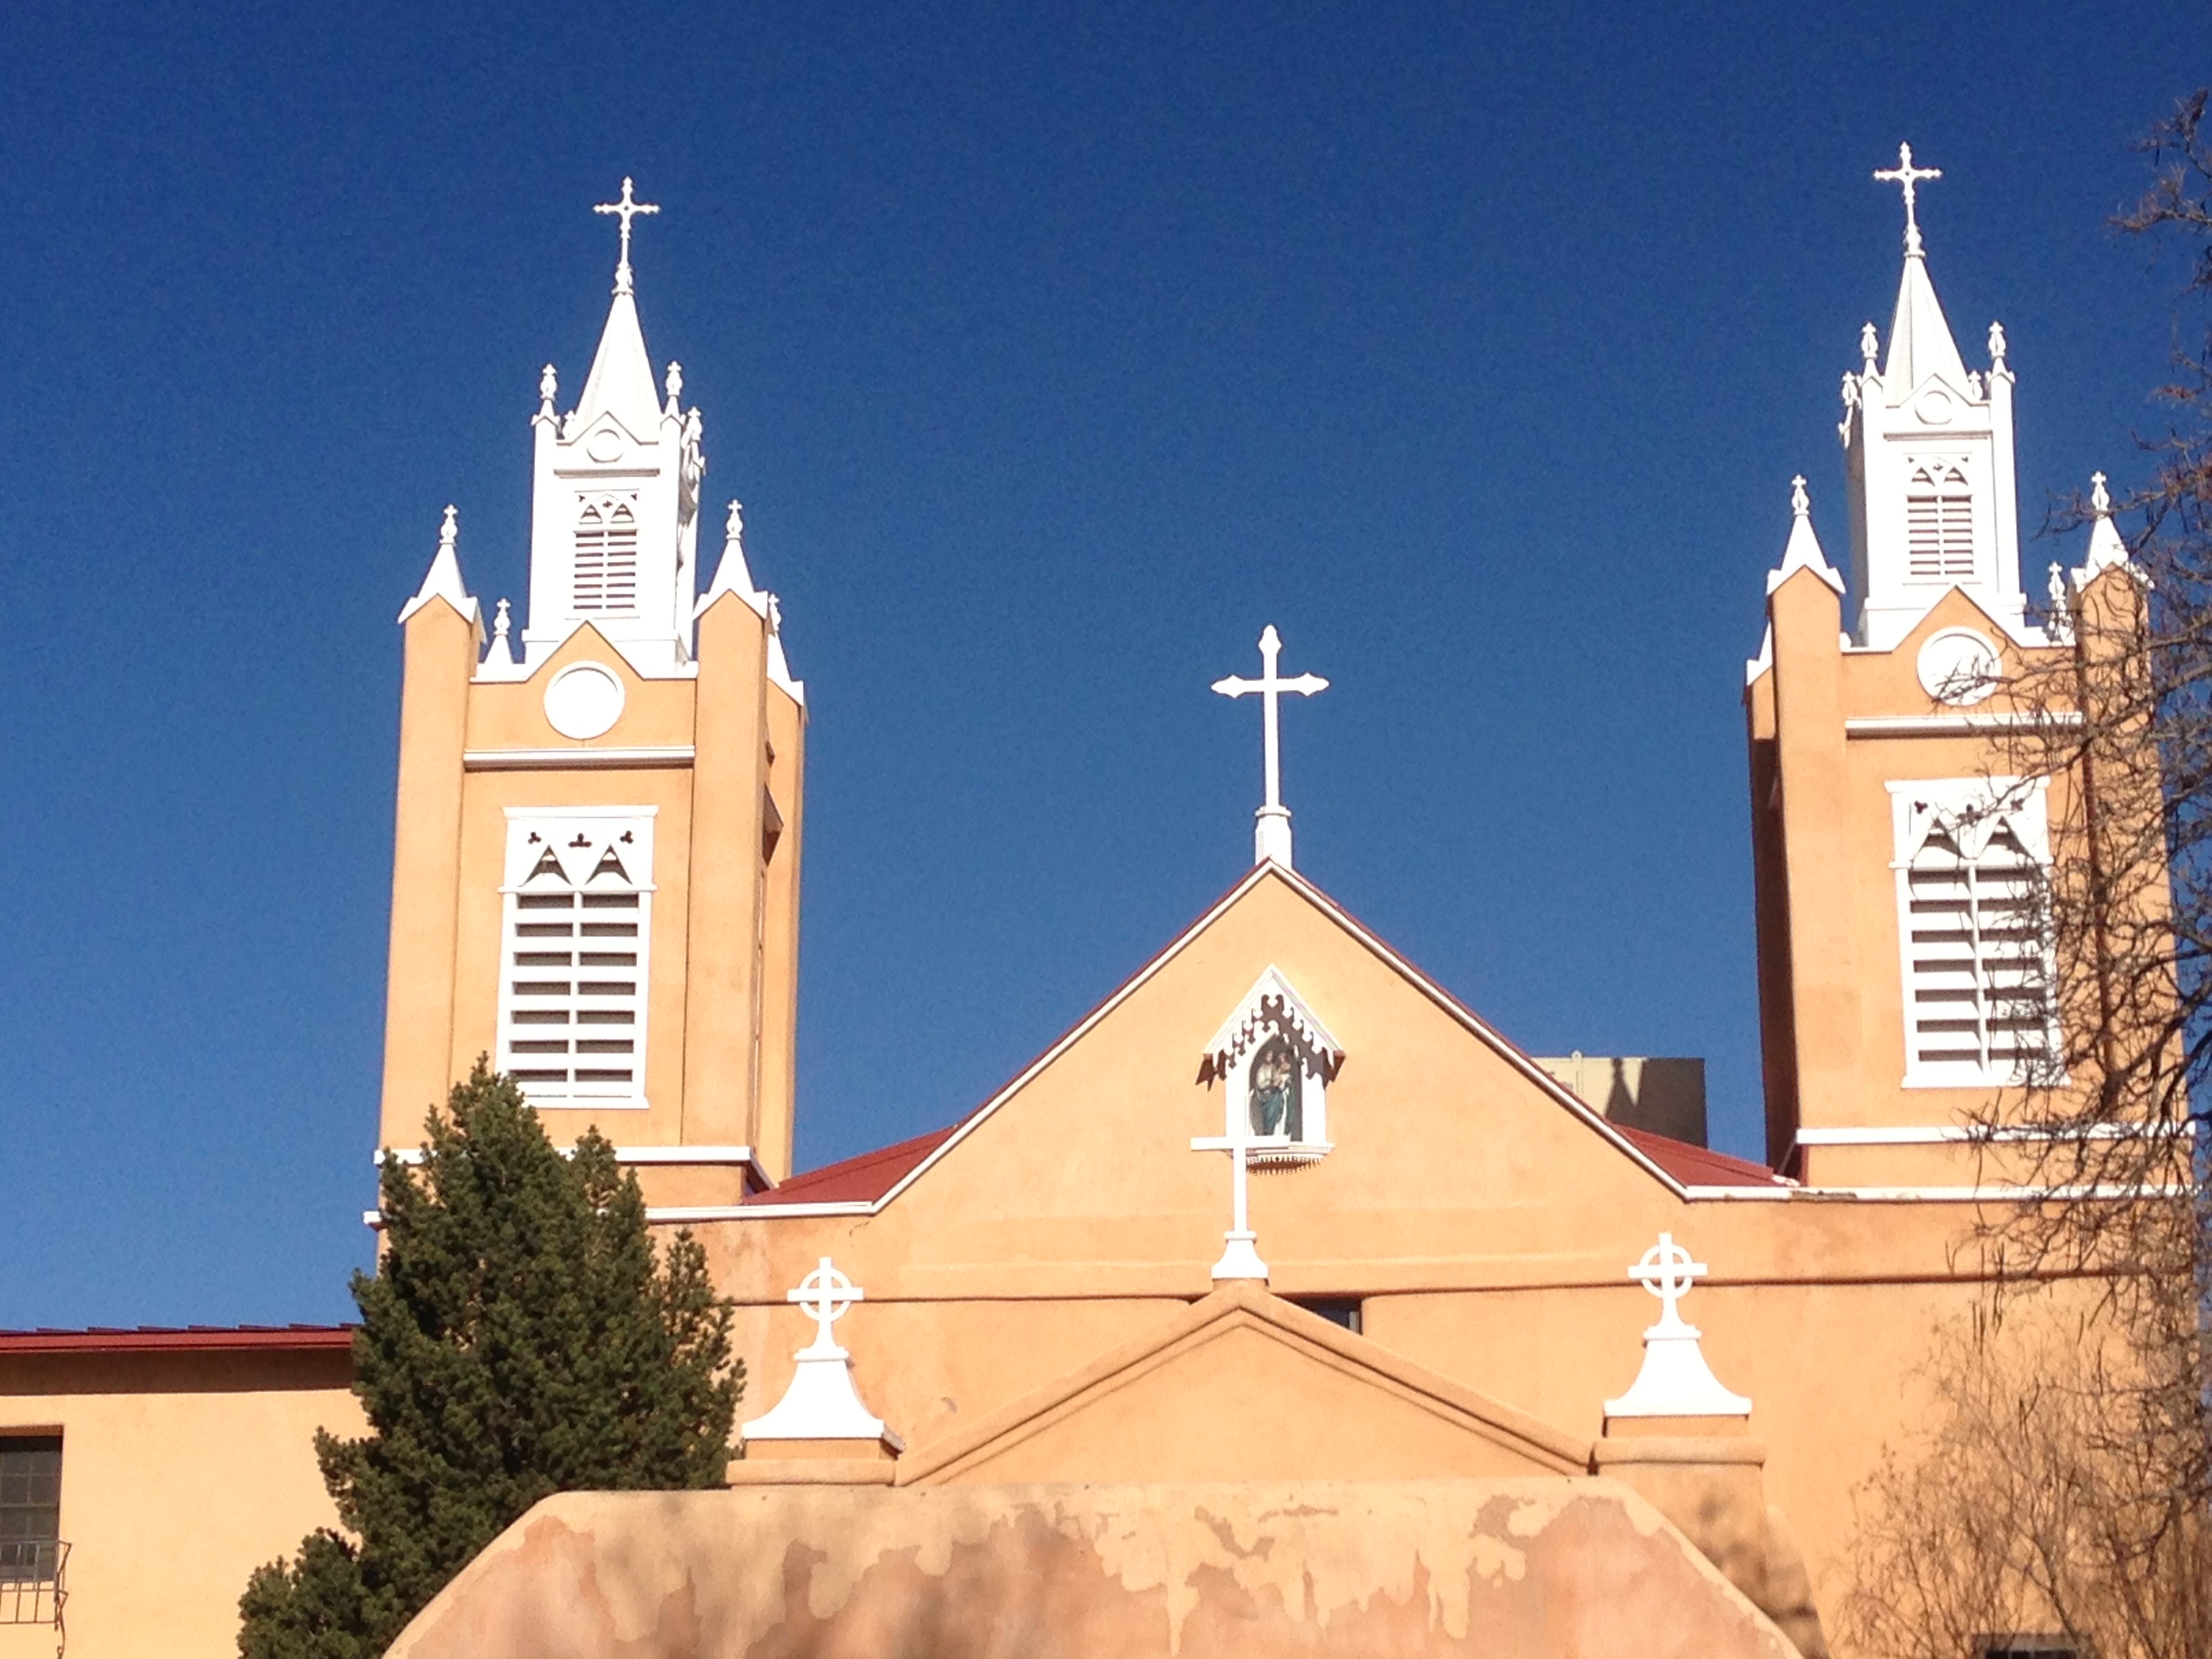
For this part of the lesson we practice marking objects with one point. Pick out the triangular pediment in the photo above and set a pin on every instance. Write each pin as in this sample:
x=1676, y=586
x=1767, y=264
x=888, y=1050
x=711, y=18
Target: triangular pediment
x=1245, y=1386
x=1262, y=908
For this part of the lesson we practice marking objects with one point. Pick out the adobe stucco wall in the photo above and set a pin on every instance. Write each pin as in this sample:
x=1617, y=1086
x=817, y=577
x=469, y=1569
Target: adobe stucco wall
x=1546, y=1568
x=181, y=1473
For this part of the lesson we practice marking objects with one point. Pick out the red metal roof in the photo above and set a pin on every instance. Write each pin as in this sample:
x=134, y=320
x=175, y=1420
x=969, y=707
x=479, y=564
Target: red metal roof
x=1699, y=1166
x=179, y=1339
x=857, y=1180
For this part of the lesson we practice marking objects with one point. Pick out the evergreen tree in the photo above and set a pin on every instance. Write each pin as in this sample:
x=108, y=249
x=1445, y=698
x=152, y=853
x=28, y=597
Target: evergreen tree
x=517, y=1338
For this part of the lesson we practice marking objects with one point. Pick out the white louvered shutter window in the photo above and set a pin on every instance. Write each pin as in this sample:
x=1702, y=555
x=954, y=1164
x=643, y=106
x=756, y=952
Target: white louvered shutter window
x=573, y=955
x=1939, y=523
x=606, y=557
x=1973, y=918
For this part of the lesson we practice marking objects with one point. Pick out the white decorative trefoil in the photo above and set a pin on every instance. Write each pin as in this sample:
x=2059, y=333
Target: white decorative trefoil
x=821, y=1403
x=1674, y=1381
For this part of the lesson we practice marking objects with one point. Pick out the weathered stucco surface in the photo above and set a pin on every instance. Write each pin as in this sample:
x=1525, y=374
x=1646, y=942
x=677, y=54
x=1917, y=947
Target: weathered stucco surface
x=1549, y=1567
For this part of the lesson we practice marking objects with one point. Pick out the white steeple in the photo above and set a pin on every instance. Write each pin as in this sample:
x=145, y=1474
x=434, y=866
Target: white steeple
x=614, y=508
x=1928, y=444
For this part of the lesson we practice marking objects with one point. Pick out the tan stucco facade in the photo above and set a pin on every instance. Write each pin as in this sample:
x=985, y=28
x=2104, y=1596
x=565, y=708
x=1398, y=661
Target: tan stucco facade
x=186, y=1462
x=716, y=759
x=1391, y=1434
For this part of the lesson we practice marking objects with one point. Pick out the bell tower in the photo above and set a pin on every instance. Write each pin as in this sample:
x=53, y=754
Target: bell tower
x=598, y=839
x=1905, y=986
x=1928, y=443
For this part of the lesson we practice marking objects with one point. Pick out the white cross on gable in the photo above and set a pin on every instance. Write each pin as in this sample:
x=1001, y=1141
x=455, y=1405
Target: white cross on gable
x=1270, y=836
x=826, y=1296
x=1667, y=1272
x=1240, y=1255
x=626, y=210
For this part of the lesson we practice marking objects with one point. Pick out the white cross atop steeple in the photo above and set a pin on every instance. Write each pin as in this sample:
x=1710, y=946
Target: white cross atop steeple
x=1908, y=175
x=1270, y=836
x=626, y=210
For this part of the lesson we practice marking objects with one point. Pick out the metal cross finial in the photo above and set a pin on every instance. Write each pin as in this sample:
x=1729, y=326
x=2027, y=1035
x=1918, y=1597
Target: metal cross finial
x=1667, y=1271
x=826, y=1296
x=1271, y=836
x=1908, y=175
x=626, y=210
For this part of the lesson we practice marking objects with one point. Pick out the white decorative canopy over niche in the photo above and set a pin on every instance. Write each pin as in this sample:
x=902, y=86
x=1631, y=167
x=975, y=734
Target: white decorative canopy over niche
x=1275, y=1061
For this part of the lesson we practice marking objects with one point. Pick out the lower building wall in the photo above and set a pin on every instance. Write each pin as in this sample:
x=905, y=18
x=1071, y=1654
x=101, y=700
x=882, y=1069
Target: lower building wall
x=181, y=1473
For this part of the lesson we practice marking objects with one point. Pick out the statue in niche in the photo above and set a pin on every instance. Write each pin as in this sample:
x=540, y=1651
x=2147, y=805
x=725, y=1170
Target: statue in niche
x=1272, y=1091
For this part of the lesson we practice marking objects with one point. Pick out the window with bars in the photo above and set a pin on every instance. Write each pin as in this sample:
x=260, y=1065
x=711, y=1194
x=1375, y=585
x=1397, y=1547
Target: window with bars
x=1939, y=523
x=30, y=1508
x=606, y=557
x=575, y=954
x=1973, y=926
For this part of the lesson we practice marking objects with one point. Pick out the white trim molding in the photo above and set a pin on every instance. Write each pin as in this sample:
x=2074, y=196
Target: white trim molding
x=1955, y=725
x=681, y=1158
x=1934, y=1134
x=647, y=757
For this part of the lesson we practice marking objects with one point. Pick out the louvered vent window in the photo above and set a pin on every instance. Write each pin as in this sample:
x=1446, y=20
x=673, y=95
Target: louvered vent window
x=1939, y=523
x=1975, y=936
x=573, y=955
x=606, y=557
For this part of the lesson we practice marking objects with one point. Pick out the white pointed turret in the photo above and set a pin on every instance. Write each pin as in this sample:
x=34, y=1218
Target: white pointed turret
x=732, y=574
x=614, y=517
x=1802, y=551
x=1928, y=444
x=443, y=579
x=2105, y=547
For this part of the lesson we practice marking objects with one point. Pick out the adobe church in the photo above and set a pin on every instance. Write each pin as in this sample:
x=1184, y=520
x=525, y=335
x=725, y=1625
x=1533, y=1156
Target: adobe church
x=1281, y=1305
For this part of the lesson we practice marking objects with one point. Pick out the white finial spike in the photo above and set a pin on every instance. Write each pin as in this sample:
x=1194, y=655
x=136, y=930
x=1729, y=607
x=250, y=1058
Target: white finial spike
x=1675, y=1380
x=672, y=383
x=1271, y=836
x=549, y=387
x=1910, y=176
x=2100, y=498
x=1997, y=348
x=449, y=533
x=502, y=648
x=626, y=210
x=1800, y=502
x=1869, y=346
x=733, y=528
x=2058, y=620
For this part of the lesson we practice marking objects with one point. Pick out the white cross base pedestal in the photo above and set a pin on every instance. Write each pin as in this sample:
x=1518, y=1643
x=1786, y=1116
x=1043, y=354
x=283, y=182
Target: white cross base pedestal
x=1674, y=1381
x=822, y=1403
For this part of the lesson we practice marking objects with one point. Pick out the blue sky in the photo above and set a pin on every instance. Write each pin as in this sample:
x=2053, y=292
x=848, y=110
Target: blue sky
x=1052, y=354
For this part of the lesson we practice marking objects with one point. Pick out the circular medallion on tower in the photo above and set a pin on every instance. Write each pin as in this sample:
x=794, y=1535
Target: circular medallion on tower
x=584, y=700
x=603, y=445
x=1960, y=666
x=1935, y=407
